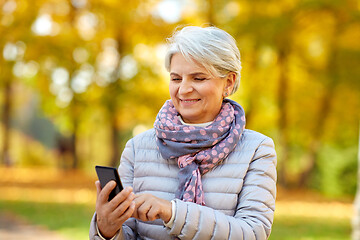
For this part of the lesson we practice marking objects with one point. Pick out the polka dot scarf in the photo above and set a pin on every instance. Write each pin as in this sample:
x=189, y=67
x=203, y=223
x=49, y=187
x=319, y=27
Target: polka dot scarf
x=197, y=149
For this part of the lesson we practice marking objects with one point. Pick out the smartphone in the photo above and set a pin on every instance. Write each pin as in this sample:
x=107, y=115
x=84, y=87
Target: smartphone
x=106, y=174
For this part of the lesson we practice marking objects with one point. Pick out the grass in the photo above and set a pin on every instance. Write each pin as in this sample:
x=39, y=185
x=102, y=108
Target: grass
x=72, y=221
x=64, y=202
x=69, y=220
x=304, y=228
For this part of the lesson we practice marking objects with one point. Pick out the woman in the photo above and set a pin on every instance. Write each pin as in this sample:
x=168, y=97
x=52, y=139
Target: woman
x=198, y=174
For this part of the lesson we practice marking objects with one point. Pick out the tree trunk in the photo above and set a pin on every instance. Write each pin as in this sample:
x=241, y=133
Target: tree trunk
x=315, y=145
x=5, y=158
x=283, y=118
x=115, y=143
x=75, y=160
x=324, y=110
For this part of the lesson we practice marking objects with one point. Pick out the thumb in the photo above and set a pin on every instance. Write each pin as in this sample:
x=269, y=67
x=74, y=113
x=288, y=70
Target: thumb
x=98, y=187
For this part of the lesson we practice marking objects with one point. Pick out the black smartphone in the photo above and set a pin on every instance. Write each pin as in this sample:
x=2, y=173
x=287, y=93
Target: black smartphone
x=106, y=174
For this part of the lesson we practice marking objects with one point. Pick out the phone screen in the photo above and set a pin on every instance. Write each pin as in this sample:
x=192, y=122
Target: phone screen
x=106, y=174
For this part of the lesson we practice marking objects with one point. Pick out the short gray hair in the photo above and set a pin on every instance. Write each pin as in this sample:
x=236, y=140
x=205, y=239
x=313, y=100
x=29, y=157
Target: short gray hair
x=211, y=47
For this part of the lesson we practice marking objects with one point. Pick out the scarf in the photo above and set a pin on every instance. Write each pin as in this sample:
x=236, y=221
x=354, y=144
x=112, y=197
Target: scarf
x=197, y=149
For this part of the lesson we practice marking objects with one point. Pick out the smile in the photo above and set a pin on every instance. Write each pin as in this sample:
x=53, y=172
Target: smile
x=189, y=100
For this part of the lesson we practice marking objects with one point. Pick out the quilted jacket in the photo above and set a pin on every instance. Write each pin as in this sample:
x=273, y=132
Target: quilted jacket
x=239, y=193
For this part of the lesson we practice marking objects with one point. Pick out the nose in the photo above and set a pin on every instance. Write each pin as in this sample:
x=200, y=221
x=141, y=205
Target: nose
x=185, y=87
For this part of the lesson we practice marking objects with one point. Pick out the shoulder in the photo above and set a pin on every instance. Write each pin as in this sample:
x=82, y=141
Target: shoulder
x=142, y=146
x=253, y=145
x=148, y=134
x=255, y=139
x=145, y=139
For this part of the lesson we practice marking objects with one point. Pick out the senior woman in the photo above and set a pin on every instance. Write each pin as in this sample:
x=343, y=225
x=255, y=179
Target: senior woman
x=198, y=174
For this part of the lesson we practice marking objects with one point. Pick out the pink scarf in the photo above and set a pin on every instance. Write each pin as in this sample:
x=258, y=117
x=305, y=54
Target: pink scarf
x=198, y=149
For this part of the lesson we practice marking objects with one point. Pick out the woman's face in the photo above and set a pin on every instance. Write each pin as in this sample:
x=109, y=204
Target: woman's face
x=196, y=94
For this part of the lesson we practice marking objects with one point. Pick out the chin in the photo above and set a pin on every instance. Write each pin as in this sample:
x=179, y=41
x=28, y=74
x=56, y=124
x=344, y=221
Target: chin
x=191, y=119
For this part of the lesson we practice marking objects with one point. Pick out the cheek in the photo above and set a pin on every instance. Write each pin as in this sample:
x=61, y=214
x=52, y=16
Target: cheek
x=214, y=92
x=172, y=90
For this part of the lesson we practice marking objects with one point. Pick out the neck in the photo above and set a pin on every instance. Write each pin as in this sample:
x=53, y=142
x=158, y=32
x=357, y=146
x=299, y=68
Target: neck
x=194, y=124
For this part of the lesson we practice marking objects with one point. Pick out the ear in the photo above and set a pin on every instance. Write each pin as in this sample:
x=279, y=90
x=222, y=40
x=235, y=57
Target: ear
x=229, y=83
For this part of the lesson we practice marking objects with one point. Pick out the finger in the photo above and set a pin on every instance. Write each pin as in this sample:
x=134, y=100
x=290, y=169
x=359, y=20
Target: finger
x=142, y=195
x=139, y=199
x=134, y=214
x=105, y=192
x=98, y=187
x=143, y=210
x=153, y=213
x=120, y=197
x=142, y=205
x=128, y=213
x=123, y=206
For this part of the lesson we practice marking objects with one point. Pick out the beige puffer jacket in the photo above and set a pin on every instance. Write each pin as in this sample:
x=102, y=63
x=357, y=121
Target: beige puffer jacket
x=239, y=193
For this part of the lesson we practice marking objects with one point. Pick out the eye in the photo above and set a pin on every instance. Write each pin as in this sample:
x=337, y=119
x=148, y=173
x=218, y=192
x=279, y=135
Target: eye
x=200, y=79
x=175, y=79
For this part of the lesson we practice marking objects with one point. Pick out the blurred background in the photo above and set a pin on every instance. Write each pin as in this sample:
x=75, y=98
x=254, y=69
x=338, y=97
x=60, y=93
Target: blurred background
x=78, y=78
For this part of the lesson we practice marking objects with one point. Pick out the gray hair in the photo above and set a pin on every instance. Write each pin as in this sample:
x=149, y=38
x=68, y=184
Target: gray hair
x=211, y=47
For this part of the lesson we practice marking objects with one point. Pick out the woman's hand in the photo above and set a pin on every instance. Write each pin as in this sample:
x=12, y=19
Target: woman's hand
x=148, y=208
x=111, y=215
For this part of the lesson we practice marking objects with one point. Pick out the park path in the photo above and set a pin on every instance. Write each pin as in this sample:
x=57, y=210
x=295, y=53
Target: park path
x=14, y=228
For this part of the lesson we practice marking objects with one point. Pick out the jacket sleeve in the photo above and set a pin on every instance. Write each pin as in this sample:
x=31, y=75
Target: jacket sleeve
x=126, y=170
x=254, y=213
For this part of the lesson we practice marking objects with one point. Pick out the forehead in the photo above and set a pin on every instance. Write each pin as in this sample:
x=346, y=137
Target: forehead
x=180, y=65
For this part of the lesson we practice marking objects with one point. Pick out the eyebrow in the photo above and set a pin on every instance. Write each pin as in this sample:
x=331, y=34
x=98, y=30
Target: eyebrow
x=191, y=74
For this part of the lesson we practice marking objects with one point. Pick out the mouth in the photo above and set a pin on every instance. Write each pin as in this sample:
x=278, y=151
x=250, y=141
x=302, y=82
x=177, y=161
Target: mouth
x=189, y=100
